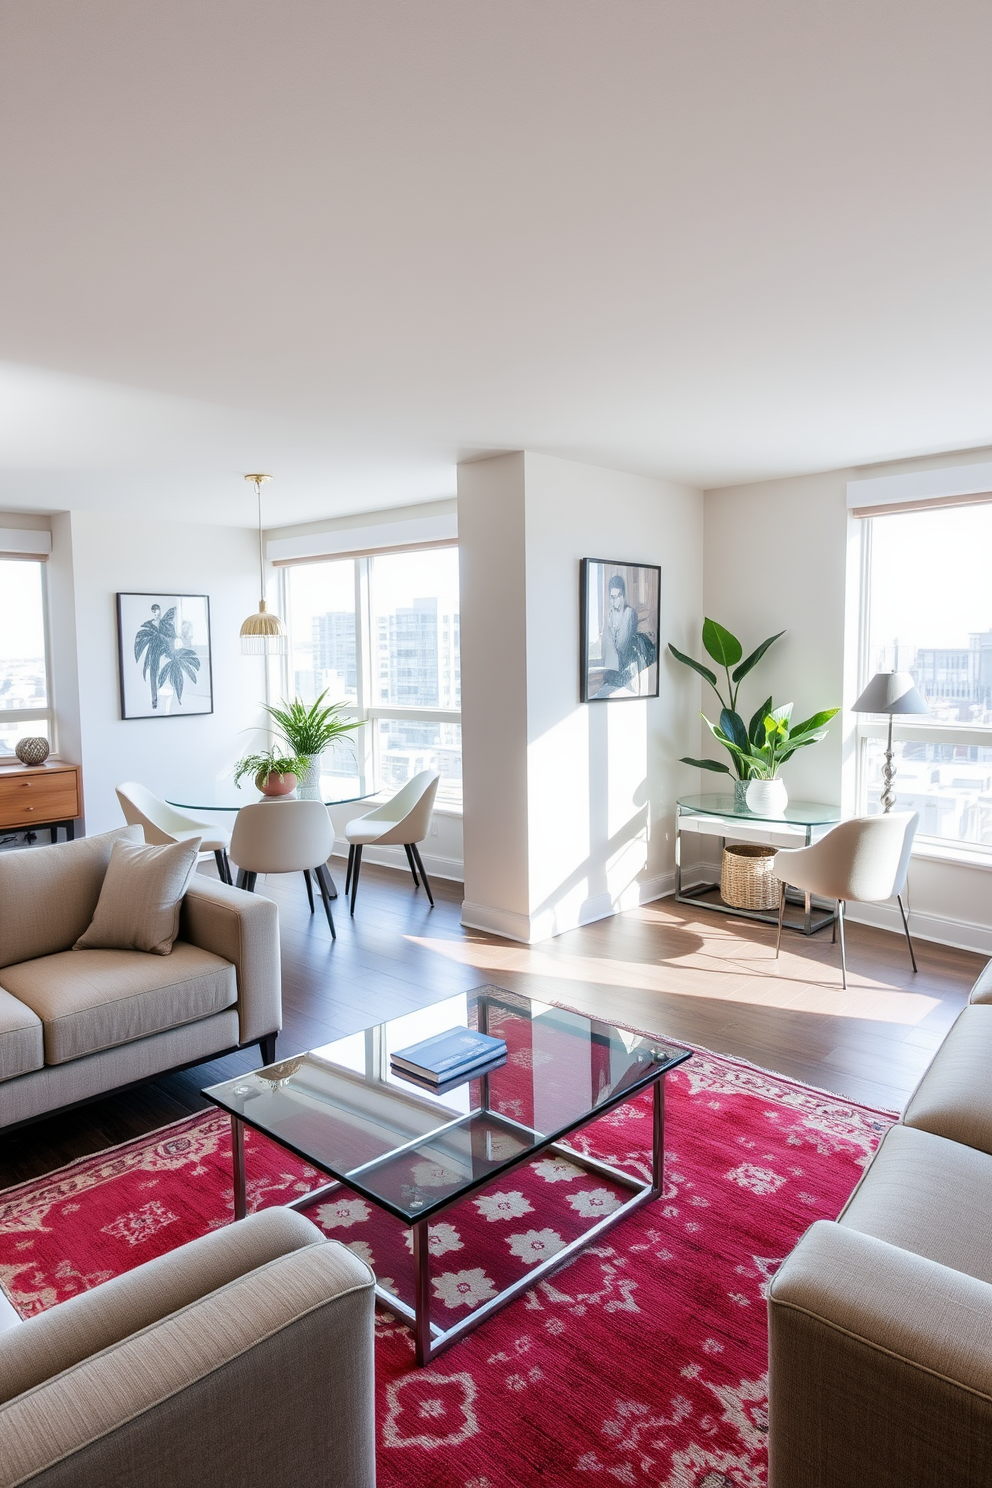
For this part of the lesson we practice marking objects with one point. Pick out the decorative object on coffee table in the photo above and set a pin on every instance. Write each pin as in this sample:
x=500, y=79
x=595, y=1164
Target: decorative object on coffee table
x=620, y=623
x=747, y=879
x=892, y=693
x=163, y=646
x=32, y=751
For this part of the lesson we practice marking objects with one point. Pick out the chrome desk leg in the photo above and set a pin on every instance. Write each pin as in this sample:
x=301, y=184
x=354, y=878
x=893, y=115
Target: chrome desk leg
x=905, y=926
x=843, y=947
x=238, y=1149
x=658, y=1144
x=781, y=918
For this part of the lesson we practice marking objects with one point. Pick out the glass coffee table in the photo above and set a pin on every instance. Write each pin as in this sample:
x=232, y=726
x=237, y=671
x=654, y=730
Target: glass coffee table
x=347, y=1112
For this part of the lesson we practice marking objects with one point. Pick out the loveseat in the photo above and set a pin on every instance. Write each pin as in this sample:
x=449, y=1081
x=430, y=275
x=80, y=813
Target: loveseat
x=75, y=1024
x=244, y=1357
x=880, y=1325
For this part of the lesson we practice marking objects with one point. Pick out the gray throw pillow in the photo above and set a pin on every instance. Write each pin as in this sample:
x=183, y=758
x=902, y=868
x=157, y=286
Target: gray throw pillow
x=138, y=908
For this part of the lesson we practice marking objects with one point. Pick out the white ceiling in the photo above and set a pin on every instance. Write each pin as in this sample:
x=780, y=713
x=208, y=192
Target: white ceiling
x=351, y=243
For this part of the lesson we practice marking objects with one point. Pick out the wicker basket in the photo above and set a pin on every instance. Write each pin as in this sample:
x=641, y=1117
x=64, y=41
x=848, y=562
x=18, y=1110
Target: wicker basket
x=747, y=880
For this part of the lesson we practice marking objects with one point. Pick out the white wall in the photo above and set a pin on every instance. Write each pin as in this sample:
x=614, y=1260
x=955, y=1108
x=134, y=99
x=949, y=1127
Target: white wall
x=97, y=555
x=779, y=553
x=569, y=806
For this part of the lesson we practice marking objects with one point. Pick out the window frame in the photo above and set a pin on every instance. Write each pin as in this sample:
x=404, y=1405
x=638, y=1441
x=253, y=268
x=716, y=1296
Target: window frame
x=366, y=711
x=874, y=727
x=49, y=713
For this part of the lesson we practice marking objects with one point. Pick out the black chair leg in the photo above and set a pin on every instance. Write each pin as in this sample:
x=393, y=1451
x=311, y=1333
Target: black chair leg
x=320, y=872
x=221, y=870
x=242, y=878
x=351, y=864
x=306, y=879
x=356, y=869
x=227, y=868
x=267, y=1048
x=420, y=864
x=413, y=866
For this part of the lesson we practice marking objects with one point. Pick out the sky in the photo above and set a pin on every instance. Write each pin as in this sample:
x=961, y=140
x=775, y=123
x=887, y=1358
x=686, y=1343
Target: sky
x=931, y=579
x=22, y=635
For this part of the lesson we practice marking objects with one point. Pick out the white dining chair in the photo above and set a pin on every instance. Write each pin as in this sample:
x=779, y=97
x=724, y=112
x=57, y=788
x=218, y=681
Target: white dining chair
x=163, y=824
x=405, y=819
x=862, y=861
x=280, y=836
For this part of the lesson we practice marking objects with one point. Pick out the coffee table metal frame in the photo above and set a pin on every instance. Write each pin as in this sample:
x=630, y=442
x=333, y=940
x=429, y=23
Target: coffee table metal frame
x=429, y=1338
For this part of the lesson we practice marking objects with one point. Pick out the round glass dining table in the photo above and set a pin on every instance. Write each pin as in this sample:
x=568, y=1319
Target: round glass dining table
x=224, y=795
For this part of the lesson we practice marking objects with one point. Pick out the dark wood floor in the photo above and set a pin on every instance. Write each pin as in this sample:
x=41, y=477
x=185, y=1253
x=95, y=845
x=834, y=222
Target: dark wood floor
x=665, y=968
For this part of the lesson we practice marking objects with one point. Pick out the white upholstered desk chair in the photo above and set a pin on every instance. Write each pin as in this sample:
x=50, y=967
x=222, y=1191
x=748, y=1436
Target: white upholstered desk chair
x=406, y=820
x=864, y=860
x=285, y=837
x=162, y=824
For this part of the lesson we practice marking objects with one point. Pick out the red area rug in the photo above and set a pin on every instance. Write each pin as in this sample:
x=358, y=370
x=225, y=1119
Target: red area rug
x=640, y=1363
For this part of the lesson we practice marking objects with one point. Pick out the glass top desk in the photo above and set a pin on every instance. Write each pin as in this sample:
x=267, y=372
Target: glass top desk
x=718, y=815
x=416, y=1153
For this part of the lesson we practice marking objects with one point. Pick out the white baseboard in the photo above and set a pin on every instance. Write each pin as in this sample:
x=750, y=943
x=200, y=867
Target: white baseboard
x=962, y=934
x=395, y=857
x=531, y=929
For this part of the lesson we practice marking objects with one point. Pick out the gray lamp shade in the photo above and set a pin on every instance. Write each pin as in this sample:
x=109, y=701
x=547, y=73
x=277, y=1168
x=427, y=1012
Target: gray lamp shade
x=891, y=692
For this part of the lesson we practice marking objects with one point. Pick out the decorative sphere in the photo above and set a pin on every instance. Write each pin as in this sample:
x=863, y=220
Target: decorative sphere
x=32, y=751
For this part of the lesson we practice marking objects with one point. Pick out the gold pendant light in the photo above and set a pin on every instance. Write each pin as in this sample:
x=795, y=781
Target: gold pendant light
x=262, y=634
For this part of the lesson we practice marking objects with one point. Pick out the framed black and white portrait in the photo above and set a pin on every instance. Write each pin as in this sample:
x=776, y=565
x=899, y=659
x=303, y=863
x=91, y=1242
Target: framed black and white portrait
x=163, y=646
x=620, y=618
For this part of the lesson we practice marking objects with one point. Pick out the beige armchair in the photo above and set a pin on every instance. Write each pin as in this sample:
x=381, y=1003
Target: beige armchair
x=244, y=1357
x=77, y=1024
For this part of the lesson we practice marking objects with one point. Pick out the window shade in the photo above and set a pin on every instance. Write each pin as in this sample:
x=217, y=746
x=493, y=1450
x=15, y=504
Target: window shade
x=918, y=490
x=21, y=542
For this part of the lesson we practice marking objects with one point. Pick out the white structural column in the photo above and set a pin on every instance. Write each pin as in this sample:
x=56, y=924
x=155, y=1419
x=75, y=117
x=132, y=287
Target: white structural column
x=569, y=806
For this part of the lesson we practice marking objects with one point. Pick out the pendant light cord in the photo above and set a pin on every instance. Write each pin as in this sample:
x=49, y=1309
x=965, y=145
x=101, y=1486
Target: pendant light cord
x=261, y=564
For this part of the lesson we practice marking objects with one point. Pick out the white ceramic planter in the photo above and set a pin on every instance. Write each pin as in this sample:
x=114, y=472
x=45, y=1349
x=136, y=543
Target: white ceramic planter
x=310, y=778
x=767, y=797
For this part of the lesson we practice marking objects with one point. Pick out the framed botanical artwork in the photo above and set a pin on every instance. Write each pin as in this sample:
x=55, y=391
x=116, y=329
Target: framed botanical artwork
x=620, y=621
x=163, y=650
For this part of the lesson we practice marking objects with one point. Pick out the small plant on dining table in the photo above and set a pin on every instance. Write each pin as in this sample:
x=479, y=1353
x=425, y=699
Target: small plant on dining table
x=269, y=762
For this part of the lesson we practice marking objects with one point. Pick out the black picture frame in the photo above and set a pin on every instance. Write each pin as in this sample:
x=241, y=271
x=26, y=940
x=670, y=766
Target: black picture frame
x=164, y=655
x=619, y=623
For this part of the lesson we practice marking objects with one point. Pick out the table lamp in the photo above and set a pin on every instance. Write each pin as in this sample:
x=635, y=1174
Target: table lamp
x=891, y=693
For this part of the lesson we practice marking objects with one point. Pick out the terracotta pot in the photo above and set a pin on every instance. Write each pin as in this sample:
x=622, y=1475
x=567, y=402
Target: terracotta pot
x=274, y=784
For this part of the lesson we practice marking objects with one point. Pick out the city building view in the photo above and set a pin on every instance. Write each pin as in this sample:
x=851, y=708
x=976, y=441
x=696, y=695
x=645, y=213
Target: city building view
x=929, y=615
x=413, y=663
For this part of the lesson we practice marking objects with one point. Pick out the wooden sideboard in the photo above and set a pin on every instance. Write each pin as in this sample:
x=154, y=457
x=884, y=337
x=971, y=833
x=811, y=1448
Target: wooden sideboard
x=32, y=796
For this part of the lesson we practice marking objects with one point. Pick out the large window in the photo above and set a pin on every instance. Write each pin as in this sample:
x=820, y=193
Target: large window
x=928, y=611
x=25, y=701
x=380, y=634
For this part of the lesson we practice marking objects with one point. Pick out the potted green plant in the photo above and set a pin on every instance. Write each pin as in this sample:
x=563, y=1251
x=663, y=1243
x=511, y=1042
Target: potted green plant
x=776, y=740
x=726, y=650
x=759, y=748
x=309, y=730
x=275, y=773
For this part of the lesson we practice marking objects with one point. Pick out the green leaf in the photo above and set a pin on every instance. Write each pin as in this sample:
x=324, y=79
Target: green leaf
x=706, y=765
x=781, y=715
x=721, y=645
x=817, y=721
x=697, y=666
x=755, y=657
x=742, y=756
x=756, y=728
x=732, y=725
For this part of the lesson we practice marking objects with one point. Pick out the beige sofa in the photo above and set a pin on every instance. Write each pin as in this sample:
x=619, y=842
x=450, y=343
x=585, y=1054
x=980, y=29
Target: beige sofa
x=881, y=1324
x=76, y=1024
x=245, y=1357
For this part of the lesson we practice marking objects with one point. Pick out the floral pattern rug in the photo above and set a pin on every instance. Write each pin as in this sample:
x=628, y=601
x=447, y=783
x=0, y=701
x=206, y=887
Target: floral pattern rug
x=642, y=1362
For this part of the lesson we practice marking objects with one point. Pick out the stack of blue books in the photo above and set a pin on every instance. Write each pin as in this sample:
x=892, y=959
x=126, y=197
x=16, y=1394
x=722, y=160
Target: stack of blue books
x=457, y=1054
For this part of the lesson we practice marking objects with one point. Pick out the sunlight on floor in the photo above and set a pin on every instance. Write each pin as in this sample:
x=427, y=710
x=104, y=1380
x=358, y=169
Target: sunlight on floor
x=750, y=976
